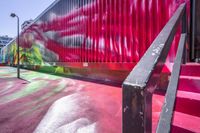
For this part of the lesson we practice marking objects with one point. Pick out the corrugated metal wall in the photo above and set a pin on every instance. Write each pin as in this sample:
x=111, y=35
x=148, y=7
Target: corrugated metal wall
x=98, y=30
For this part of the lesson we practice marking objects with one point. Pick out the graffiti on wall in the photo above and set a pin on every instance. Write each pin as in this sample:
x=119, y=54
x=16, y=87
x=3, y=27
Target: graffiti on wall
x=92, y=31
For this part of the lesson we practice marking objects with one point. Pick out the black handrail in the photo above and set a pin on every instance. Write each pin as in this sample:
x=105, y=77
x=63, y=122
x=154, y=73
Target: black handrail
x=144, y=79
x=164, y=124
x=170, y=96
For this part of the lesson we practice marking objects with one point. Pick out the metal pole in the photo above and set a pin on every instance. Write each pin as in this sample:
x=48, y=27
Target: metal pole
x=184, y=30
x=18, y=70
x=193, y=30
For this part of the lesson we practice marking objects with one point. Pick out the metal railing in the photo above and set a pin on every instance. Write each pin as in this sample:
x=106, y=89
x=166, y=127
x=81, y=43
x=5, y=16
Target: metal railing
x=144, y=79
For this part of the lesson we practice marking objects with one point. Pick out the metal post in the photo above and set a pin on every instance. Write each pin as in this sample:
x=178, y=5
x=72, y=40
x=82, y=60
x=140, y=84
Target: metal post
x=18, y=70
x=184, y=30
x=193, y=15
x=18, y=65
x=137, y=109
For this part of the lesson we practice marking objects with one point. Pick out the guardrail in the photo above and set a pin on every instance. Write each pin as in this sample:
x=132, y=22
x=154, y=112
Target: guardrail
x=143, y=79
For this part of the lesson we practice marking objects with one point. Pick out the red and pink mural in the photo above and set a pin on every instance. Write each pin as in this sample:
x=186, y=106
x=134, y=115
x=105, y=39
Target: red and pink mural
x=97, y=31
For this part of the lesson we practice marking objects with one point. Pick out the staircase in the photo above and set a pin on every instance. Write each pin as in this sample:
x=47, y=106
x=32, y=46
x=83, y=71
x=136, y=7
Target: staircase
x=186, y=117
x=187, y=108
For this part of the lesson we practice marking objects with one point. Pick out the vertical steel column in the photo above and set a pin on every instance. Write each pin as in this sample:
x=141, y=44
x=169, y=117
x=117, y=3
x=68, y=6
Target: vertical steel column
x=137, y=109
x=184, y=30
x=192, y=46
x=18, y=65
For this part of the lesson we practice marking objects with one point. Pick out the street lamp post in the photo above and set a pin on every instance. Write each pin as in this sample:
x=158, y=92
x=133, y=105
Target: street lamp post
x=18, y=71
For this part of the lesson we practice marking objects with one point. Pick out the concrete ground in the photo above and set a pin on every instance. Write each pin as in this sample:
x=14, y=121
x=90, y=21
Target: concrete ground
x=43, y=103
x=24, y=103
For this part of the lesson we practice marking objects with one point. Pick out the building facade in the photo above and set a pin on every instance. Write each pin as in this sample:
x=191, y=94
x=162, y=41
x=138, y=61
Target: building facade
x=26, y=24
x=4, y=40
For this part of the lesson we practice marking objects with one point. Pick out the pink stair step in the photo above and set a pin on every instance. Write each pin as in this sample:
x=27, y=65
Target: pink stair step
x=185, y=123
x=189, y=83
x=188, y=103
x=190, y=69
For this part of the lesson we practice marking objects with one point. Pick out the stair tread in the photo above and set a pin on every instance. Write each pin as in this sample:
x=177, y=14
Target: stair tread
x=188, y=95
x=189, y=83
x=190, y=77
x=186, y=121
x=191, y=64
x=181, y=120
x=188, y=103
x=190, y=69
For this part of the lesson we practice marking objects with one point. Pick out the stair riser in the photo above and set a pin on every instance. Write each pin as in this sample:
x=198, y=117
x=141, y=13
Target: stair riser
x=188, y=106
x=190, y=70
x=191, y=85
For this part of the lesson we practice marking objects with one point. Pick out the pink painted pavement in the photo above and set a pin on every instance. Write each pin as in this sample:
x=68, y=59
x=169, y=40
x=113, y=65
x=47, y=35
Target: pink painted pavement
x=48, y=103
